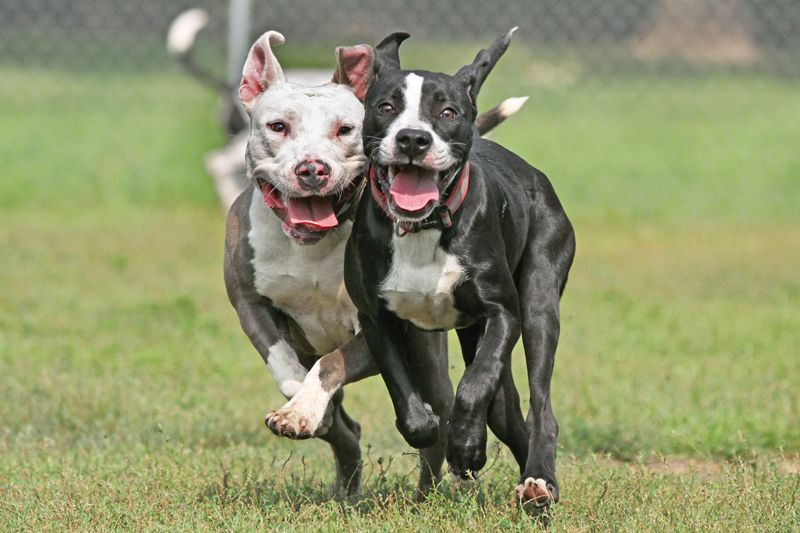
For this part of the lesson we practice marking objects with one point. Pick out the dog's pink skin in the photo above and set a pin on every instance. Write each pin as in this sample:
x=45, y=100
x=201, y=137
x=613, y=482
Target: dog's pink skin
x=261, y=69
x=356, y=64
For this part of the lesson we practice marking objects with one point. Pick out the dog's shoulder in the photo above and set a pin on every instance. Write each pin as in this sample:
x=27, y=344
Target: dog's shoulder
x=238, y=253
x=495, y=157
x=238, y=221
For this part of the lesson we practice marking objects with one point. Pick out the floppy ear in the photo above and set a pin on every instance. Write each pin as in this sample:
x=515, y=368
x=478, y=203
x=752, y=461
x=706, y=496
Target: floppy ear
x=386, y=53
x=354, y=68
x=474, y=74
x=261, y=70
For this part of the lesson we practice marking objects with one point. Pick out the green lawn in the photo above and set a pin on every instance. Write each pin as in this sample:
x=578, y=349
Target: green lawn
x=131, y=399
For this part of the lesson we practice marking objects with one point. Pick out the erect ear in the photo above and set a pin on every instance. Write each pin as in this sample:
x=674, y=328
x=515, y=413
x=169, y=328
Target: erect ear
x=387, y=56
x=474, y=74
x=261, y=70
x=354, y=68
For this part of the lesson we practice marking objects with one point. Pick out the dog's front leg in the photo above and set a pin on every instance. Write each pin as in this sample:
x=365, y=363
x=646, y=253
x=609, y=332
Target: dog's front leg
x=257, y=316
x=259, y=324
x=307, y=414
x=416, y=420
x=466, y=447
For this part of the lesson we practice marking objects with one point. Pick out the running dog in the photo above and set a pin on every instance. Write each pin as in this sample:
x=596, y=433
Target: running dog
x=458, y=233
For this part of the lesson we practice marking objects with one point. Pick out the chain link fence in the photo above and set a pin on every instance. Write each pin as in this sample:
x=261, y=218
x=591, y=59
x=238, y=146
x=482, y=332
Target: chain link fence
x=606, y=35
x=612, y=55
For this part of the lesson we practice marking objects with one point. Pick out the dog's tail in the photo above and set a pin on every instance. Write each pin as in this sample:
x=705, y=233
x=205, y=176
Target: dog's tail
x=180, y=42
x=489, y=120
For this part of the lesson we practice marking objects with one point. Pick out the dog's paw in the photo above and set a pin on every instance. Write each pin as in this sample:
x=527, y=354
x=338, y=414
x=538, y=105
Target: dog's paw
x=294, y=424
x=462, y=484
x=536, y=492
x=289, y=424
x=466, y=449
x=421, y=430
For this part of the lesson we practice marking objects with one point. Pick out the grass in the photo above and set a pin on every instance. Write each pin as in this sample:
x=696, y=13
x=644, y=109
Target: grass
x=131, y=399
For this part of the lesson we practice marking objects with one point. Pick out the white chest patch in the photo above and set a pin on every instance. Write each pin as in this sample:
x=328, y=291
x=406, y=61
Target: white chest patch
x=420, y=283
x=305, y=282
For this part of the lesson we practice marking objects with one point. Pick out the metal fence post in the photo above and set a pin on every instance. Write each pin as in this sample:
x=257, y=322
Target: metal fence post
x=238, y=38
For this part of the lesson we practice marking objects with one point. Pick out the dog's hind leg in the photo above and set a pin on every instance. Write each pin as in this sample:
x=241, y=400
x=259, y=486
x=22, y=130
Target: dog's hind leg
x=343, y=437
x=543, y=274
x=350, y=422
x=505, y=416
x=433, y=379
x=506, y=420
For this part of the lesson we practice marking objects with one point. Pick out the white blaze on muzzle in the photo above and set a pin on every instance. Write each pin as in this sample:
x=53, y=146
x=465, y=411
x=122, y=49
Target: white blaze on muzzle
x=413, y=187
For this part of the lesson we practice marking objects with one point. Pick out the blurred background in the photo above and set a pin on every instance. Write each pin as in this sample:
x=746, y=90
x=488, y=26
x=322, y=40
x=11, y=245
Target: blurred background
x=669, y=128
x=709, y=78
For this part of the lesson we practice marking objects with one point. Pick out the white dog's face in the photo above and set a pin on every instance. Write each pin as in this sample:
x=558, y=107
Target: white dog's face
x=306, y=141
x=304, y=151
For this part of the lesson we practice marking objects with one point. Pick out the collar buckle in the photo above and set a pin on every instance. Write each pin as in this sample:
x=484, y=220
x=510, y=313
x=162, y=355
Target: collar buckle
x=446, y=217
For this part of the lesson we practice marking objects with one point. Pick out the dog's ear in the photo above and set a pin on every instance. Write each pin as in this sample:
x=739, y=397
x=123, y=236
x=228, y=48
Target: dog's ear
x=474, y=74
x=354, y=66
x=387, y=56
x=261, y=70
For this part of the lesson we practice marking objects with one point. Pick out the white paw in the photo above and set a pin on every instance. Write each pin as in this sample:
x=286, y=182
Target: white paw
x=295, y=422
x=535, y=492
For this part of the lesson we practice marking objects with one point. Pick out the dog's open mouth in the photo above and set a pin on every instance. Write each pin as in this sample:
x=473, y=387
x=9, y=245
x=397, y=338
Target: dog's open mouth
x=413, y=189
x=313, y=213
x=305, y=219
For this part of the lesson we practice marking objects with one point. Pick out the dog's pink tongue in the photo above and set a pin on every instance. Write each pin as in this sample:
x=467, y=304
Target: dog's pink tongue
x=315, y=212
x=412, y=189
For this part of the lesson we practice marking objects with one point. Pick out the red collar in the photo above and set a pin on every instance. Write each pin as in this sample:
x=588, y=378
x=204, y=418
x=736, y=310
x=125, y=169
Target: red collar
x=441, y=218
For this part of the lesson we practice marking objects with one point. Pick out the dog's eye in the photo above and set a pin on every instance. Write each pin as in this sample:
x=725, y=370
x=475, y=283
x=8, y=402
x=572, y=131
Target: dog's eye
x=344, y=130
x=386, y=108
x=448, y=113
x=277, y=126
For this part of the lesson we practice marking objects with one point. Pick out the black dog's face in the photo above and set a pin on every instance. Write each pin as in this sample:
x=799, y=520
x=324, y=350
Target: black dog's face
x=417, y=133
x=418, y=125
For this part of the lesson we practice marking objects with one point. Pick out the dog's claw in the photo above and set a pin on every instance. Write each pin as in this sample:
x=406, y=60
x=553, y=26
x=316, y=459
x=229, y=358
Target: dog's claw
x=536, y=492
x=292, y=423
x=288, y=424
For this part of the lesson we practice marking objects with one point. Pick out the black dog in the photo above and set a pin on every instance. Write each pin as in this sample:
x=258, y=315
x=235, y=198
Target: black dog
x=458, y=232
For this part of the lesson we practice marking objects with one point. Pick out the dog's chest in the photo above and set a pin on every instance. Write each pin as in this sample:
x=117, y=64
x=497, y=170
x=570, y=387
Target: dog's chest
x=305, y=282
x=421, y=280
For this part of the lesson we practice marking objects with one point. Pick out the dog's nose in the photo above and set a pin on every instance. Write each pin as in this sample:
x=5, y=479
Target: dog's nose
x=312, y=174
x=413, y=142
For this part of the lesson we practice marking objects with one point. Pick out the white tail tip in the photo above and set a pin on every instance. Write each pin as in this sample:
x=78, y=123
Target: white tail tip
x=182, y=31
x=510, y=106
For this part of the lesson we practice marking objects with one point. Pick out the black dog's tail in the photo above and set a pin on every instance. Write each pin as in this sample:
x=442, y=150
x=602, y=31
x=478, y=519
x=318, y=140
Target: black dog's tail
x=180, y=42
x=489, y=120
